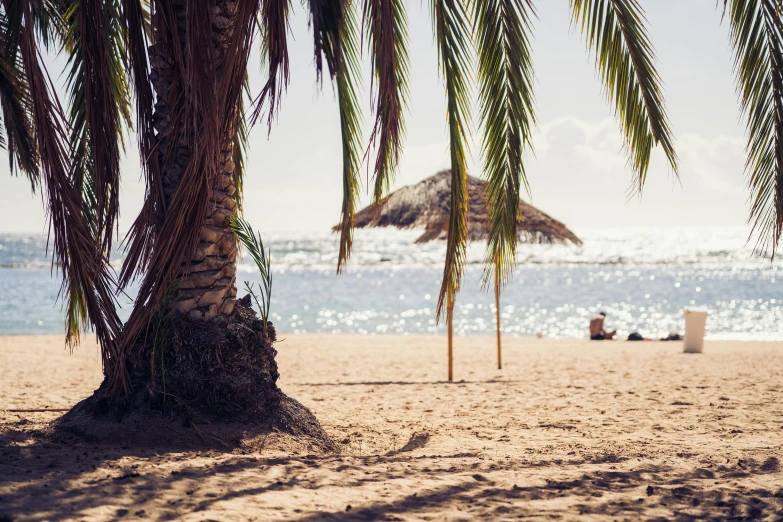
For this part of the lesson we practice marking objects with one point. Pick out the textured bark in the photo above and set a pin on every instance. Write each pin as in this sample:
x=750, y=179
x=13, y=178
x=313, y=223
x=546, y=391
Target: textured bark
x=207, y=286
x=207, y=375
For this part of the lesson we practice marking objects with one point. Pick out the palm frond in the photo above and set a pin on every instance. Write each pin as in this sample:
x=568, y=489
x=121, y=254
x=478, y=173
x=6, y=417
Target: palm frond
x=386, y=27
x=507, y=114
x=757, y=37
x=48, y=22
x=99, y=105
x=326, y=17
x=348, y=76
x=15, y=100
x=87, y=283
x=254, y=246
x=239, y=151
x=453, y=39
x=336, y=40
x=143, y=234
x=239, y=147
x=274, y=15
x=614, y=30
x=15, y=104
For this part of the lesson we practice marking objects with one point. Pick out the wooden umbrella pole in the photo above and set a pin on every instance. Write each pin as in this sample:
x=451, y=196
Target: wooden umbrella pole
x=497, y=314
x=449, y=320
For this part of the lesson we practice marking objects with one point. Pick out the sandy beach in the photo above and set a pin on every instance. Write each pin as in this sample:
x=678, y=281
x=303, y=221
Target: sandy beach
x=568, y=429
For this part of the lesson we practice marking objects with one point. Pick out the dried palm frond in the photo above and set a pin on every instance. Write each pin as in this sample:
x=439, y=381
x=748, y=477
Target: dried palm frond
x=143, y=233
x=87, y=284
x=326, y=19
x=99, y=106
x=274, y=16
x=15, y=103
x=386, y=28
x=757, y=37
x=16, y=99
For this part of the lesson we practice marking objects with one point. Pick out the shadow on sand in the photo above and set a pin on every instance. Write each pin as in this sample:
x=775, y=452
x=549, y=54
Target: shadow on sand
x=406, y=383
x=56, y=481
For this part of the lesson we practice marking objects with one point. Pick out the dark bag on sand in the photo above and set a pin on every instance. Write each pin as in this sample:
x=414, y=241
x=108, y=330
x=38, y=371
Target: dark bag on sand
x=635, y=336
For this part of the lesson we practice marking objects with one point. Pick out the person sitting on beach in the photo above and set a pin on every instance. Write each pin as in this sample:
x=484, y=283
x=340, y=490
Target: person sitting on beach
x=597, y=332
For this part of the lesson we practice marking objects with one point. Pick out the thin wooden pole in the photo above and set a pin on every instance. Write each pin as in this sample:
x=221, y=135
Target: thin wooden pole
x=449, y=320
x=497, y=314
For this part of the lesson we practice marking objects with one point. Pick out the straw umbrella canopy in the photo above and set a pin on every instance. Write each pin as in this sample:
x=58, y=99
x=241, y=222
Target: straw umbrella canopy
x=426, y=206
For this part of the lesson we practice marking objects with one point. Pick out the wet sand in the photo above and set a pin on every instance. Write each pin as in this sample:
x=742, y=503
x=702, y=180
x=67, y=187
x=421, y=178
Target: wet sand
x=568, y=429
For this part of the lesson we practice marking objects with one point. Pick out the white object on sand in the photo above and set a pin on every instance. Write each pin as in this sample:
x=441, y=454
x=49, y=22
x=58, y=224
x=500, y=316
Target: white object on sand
x=695, y=322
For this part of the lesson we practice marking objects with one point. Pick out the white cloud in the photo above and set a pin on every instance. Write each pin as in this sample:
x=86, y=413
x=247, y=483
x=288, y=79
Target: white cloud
x=716, y=163
x=580, y=174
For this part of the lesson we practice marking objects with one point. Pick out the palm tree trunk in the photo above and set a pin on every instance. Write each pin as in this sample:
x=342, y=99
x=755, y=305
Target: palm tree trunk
x=207, y=287
x=214, y=364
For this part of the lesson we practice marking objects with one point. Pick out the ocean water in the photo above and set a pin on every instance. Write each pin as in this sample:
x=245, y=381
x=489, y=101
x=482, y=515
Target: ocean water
x=642, y=278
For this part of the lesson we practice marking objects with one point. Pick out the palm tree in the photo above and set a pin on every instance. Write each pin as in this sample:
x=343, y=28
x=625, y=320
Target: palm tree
x=181, y=66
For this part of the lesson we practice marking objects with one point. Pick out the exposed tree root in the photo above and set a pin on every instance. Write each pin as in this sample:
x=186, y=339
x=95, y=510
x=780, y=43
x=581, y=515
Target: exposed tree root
x=200, y=384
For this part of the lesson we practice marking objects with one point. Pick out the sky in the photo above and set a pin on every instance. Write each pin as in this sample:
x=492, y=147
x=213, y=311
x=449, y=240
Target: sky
x=577, y=173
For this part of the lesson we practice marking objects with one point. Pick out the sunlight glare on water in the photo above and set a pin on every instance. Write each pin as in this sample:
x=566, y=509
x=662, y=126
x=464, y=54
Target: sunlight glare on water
x=641, y=278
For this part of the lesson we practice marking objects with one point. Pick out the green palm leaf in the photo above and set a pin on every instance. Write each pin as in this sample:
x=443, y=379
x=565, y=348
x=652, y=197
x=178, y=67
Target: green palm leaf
x=452, y=36
x=347, y=78
x=615, y=31
x=507, y=114
x=336, y=40
x=757, y=37
x=239, y=149
x=254, y=245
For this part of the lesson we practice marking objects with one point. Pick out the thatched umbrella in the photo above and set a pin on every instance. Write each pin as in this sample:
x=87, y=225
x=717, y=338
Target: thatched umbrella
x=426, y=205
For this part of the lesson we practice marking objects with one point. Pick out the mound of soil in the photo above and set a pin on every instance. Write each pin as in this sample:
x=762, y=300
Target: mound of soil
x=198, y=383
